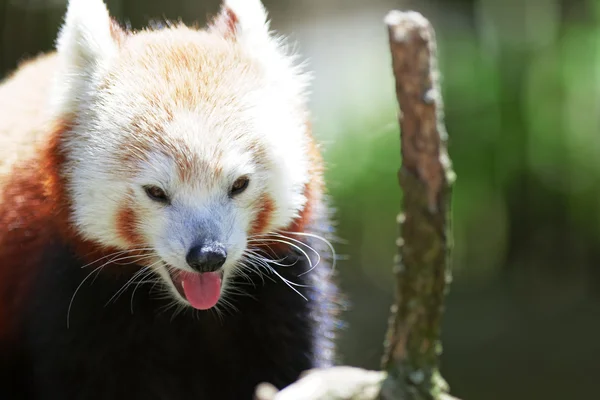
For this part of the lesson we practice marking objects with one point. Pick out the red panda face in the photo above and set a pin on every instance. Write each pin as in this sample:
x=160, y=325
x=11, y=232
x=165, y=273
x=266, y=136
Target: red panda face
x=187, y=145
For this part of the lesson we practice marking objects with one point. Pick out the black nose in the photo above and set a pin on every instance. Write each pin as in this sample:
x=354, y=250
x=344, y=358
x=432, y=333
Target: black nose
x=206, y=257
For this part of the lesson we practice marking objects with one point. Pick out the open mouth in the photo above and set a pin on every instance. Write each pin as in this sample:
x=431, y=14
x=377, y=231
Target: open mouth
x=201, y=290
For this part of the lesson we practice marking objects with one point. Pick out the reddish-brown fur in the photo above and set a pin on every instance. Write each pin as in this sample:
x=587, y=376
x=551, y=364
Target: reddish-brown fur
x=127, y=225
x=35, y=212
x=23, y=206
x=313, y=191
x=26, y=215
x=263, y=216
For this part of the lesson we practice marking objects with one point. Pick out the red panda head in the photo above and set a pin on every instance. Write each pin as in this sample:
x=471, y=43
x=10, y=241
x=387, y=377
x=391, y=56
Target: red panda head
x=188, y=144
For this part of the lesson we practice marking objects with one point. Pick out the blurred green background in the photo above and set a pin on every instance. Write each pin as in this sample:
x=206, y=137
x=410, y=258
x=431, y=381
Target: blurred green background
x=521, y=81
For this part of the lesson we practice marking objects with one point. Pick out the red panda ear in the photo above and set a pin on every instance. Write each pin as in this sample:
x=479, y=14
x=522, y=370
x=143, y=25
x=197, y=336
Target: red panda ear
x=225, y=23
x=88, y=33
x=244, y=20
x=88, y=39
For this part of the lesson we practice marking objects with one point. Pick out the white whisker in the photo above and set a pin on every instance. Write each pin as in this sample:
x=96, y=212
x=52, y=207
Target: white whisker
x=290, y=284
x=148, y=272
x=77, y=290
x=327, y=242
x=139, y=274
x=125, y=286
x=251, y=253
x=116, y=254
x=296, y=247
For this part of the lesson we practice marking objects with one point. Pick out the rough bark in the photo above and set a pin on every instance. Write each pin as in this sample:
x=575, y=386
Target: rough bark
x=422, y=266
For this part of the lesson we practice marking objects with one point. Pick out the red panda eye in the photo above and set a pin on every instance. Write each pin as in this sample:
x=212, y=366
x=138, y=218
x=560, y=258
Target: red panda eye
x=239, y=186
x=156, y=194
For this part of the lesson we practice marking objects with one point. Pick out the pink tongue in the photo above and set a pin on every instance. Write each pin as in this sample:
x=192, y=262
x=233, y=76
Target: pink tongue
x=202, y=290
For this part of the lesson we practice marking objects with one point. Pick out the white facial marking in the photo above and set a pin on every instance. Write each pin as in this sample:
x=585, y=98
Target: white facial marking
x=252, y=126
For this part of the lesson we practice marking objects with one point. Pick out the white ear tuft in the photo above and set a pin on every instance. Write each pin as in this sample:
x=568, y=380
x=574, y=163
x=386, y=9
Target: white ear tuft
x=86, y=34
x=246, y=20
x=85, y=41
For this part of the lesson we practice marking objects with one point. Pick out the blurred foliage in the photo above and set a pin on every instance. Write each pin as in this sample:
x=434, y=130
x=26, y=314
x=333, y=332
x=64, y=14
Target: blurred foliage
x=522, y=99
x=521, y=82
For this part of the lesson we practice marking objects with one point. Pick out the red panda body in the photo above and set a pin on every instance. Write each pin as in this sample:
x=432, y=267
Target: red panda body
x=96, y=302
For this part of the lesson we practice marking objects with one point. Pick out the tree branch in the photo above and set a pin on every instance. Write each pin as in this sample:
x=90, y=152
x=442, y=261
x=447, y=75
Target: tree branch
x=335, y=383
x=422, y=266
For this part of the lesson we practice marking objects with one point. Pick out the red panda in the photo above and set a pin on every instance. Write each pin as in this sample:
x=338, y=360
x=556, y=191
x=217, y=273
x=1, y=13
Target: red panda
x=163, y=214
